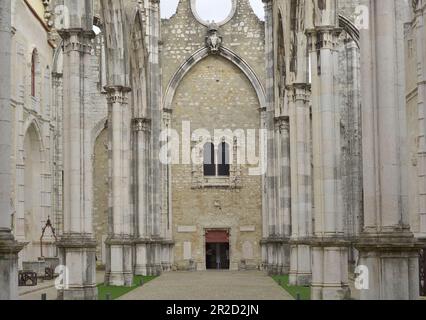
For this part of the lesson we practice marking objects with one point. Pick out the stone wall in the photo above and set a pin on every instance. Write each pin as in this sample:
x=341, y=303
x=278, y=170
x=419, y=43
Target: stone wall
x=32, y=115
x=413, y=132
x=215, y=94
x=100, y=194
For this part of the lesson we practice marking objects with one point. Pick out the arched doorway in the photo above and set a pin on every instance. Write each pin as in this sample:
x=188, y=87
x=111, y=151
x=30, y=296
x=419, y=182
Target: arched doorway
x=32, y=194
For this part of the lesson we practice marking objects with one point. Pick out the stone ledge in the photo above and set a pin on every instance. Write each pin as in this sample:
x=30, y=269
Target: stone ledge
x=8, y=245
x=305, y=241
x=153, y=241
x=77, y=241
x=336, y=242
x=275, y=240
x=119, y=241
x=402, y=241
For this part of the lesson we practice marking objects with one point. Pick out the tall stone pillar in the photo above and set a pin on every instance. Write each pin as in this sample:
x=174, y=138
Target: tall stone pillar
x=119, y=258
x=270, y=179
x=154, y=112
x=329, y=248
x=118, y=17
x=387, y=246
x=420, y=23
x=301, y=180
x=9, y=248
x=282, y=134
x=77, y=244
x=142, y=132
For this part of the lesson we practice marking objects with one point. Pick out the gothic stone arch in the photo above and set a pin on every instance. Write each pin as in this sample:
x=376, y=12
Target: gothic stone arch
x=200, y=55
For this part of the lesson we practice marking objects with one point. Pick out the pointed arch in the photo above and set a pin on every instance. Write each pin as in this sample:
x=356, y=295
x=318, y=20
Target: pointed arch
x=34, y=71
x=281, y=57
x=350, y=28
x=33, y=122
x=32, y=215
x=138, y=56
x=200, y=55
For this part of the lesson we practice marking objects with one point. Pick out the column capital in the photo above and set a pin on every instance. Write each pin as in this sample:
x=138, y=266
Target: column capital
x=155, y=3
x=268, y=4
x=117, y=94
x=77, y=40
x=141, y=124
x=323, y=37
x=282, y=123
x=301, y=91
x=80, y=32
x=419, y=6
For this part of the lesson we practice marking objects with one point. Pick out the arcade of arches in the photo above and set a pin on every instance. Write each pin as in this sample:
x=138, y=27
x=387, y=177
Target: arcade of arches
x=294, y=145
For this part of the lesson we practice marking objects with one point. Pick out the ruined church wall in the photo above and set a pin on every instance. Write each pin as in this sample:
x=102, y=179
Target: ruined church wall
x=215, y=94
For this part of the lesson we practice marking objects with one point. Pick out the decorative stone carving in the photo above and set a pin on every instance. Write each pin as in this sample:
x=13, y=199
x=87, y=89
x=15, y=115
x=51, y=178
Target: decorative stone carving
x=48, y=13
x=213, y=39
x=142, y=124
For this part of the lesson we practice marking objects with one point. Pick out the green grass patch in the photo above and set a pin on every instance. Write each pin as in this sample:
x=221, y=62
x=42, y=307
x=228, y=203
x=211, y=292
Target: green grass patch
x=117, y=292
x=304, y=292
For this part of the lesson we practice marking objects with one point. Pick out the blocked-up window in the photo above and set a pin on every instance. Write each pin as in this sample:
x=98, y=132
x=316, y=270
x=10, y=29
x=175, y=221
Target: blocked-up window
x=209, y=160
x=223, y=167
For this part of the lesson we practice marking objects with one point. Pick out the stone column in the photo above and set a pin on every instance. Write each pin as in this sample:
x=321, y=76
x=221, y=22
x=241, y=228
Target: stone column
x=387, y=246
x=270, y=179
x=282, y=133
x=77, y=243
x=154, y=107
x=329, y=248
x=420, y=23
x=142, y=128
x=120, y=240
x=301, y=180
x=9, y=248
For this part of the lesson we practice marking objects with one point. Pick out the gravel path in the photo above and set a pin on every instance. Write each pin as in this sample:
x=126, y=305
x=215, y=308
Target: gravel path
x=210, y=285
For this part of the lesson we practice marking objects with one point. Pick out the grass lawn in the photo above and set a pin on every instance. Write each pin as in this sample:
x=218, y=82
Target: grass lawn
x=117, y=292
x=304, y=292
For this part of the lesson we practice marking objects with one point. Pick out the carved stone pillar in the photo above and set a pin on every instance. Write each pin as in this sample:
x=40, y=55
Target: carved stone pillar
x=301, y=180
x=9, y=248
x=329, y=247
x=142, y=128
x=154, y=106
x=420, y=25
x=283, y=201
x=77, y=243
x=270, y=179
x=119, y=243
x=387, y=247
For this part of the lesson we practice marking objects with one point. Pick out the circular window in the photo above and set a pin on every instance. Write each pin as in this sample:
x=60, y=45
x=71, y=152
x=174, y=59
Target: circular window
x=217, y=11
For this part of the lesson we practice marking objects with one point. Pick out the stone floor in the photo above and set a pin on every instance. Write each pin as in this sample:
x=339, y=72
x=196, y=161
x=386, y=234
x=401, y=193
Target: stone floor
x=210, y=285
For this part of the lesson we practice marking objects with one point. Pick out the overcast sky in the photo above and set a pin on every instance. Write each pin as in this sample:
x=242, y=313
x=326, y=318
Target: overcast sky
x=216, y=10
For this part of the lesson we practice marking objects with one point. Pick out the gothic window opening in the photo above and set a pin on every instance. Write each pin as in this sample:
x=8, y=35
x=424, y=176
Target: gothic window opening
x=281, y=59
x=33, y=73
x=209, y=160
x=223, y=167
x=216, y=164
